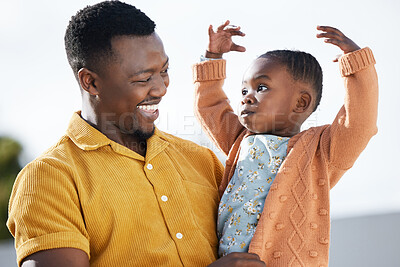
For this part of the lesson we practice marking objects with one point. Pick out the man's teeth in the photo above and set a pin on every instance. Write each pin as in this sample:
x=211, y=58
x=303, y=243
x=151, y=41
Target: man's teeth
x=148, y=107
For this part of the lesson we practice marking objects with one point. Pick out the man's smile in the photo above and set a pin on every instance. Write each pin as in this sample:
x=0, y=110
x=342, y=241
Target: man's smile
x=149, y=111
x=149, y=108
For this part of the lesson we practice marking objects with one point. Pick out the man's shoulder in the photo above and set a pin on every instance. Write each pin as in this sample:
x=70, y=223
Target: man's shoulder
x=59, y=154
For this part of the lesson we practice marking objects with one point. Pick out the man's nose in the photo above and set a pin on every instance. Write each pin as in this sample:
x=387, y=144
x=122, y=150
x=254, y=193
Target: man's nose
x=159, y=88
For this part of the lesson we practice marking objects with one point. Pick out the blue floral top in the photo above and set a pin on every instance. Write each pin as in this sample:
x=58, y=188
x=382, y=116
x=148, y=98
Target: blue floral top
x=241, y=205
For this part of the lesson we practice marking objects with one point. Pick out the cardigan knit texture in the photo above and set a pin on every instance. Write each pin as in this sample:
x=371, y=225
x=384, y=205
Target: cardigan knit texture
x=294, y=228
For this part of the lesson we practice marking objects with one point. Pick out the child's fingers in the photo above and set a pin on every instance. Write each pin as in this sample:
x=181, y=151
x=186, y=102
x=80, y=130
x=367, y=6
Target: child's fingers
x=328, y=29
x=238, y=48
x=333, y=41
x=329, y=32
x=233, y=30
x=336, y=37
x=328, y=35
x=220, y=28
x=236, y=32
x=210, y=30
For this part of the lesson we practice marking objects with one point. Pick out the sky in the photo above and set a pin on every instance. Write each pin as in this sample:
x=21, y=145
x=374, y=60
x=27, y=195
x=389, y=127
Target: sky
x=38, y=92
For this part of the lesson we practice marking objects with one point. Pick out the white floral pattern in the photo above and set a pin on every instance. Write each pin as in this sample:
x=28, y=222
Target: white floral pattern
x=241, y=205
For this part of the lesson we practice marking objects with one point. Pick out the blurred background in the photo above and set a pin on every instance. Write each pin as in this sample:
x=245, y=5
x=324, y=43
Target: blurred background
x=38, y=94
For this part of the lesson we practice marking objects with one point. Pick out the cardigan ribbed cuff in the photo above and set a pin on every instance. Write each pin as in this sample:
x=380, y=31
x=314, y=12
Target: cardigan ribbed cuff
x=355, y=61
x=209, y=70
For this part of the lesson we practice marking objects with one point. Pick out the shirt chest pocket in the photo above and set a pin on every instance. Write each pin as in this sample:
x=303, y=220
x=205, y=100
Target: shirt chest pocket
x=204, y=203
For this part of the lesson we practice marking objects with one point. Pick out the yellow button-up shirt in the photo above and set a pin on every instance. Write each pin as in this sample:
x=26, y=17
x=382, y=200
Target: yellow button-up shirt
x=122, y=209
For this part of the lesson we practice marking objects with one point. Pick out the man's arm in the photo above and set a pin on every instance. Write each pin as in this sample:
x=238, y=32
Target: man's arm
x=45, y=214
x=59, y=257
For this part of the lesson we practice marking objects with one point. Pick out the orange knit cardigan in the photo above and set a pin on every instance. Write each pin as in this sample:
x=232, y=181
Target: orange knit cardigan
x=294, y=228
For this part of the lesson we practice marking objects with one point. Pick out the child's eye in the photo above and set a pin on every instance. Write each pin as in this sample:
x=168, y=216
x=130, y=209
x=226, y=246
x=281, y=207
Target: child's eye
x=262, y=88
x=244, y=91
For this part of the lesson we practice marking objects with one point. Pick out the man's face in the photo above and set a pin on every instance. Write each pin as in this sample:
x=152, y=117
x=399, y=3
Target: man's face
x=269, y=96
x=132, y=85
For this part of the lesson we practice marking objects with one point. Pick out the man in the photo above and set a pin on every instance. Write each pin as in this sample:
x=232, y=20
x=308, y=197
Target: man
x=116, y=191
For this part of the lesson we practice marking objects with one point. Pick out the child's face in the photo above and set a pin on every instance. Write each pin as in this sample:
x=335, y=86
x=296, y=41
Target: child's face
x=269, y=97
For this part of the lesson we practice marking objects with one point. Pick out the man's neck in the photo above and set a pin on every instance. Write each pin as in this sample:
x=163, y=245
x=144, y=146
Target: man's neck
x=130, y=141
x=112, y=132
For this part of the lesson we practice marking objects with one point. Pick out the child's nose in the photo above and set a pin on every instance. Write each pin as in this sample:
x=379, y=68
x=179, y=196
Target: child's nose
x=248, y=99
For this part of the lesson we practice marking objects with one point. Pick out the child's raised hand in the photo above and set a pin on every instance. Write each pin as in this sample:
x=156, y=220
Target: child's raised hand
x=336, y=37
x=220, y=42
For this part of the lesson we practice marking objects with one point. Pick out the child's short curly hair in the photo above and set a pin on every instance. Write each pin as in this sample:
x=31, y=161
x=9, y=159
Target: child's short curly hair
x=89, y=33
x=302, y=66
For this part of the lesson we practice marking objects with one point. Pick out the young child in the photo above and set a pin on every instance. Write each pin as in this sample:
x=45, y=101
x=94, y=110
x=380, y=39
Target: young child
x=275, y=190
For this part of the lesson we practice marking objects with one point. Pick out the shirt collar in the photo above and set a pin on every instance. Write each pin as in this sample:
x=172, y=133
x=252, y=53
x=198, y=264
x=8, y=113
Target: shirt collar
x=86, y=137
x=291, y=142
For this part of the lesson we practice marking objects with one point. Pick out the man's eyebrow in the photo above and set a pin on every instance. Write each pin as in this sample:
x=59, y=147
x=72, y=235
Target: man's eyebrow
x=262, y=76
x=166, y=63
x=149, y=70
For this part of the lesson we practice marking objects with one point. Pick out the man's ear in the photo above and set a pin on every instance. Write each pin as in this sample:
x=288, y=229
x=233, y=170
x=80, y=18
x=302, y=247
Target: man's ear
x=303, y=102
x=87, y=79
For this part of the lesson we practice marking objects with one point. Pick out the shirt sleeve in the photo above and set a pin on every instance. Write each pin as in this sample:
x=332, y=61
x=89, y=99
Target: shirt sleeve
x=212, y=106
x=355, y=124
x=44, y=210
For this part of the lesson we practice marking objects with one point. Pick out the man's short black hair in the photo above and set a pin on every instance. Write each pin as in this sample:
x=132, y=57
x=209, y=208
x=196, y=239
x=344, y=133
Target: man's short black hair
x=89, y=33
x=302, y=67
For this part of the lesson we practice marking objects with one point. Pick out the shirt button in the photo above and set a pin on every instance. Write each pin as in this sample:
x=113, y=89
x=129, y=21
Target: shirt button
x=179, y=235
x=149, y=166
x=164, y=198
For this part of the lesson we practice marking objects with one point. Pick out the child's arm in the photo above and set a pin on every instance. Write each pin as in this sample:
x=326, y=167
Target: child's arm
x=212, y=106
x=355, y=123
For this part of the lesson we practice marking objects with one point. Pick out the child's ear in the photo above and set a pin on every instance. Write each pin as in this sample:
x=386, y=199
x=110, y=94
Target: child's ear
x=303, y=102
x=87, y=80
